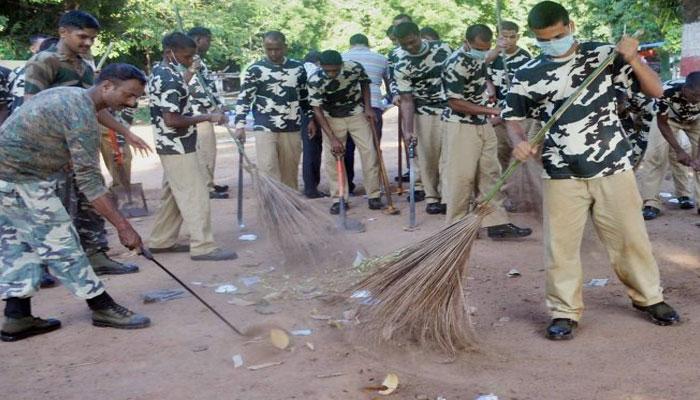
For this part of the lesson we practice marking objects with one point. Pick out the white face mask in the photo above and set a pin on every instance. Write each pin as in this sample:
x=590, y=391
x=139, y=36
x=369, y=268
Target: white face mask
x=557, y=47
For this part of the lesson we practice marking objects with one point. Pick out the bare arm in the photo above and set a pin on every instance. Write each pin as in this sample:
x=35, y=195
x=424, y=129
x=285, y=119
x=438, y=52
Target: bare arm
x=648, y=79
x=108, y=120
x=467, y=107
x=408, y=112
x=522, y=150
x=176, y=120
x=336, y=145
x=666, y=131
x=127, y=235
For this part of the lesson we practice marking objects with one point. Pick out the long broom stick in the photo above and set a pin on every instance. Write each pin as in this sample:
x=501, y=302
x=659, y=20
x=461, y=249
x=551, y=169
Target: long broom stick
x=418, y=292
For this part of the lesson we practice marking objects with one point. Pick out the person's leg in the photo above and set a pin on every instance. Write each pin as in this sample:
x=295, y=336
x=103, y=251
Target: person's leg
x=462, y=147
x=349, y=161
x=566, y=207
x=429, y=136
x=653, y=167
x=489, y=170
x=206, y=151
x=167, y=221
x=624, y=235
x=191, y=197
x=309, y=173
x=289, y=151
x=504, y=148
x=340, y=129
x=266, y=157
x=359, y=130
x=692, y=130
x=379, y=114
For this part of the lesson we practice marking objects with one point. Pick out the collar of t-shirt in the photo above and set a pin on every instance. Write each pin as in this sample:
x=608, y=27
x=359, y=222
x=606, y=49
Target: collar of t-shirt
x=280, y=65
x=64, y=55
x=422, y=52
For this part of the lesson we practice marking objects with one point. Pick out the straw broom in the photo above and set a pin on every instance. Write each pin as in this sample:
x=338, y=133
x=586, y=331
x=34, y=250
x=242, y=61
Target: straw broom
x=298, y=229
x=418, y=292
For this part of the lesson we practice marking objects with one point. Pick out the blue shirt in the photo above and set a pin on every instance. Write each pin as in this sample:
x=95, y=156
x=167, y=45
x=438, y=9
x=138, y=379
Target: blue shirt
x=376, y=67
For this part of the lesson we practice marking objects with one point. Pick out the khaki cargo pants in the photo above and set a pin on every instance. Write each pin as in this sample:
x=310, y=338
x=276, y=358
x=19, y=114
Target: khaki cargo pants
x=278, y=154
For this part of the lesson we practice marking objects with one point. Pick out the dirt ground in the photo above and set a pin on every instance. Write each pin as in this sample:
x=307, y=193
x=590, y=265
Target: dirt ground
x=187, y=352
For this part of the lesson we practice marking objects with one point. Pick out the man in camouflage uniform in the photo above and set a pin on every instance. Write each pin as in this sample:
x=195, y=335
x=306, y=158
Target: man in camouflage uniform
x=340, y=96
x=5, y=94
x=275, y=90
x=202, y=104
x=587, y=165
x=678, y=110
x=469, y=142
x=185, y=196
x=418, y=75
x=55, y=128
x=63, y=65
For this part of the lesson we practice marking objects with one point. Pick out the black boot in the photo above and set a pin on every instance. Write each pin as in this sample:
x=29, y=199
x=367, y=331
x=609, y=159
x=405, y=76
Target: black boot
x=508, y=231
x=561, y=329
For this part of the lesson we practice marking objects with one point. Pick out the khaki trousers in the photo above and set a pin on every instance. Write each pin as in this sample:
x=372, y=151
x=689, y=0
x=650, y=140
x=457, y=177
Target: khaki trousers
x=429, y=134
x=471, y=166
x=657, y=158
x=278, y=154
x=613, y=202
x=358, y=128
x=185, y=198
x=206, y=150
x=108, y=157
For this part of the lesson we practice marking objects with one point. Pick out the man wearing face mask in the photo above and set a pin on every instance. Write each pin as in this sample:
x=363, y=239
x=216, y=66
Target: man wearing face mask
x=587, y=165
x=469, y=142
x=185, y=196
x=275, y=89
x=341, y=99
x=418, y=74
x=55, y=128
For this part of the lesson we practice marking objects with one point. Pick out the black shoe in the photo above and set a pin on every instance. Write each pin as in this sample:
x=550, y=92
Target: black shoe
x=433, y=208
x=351, y=188
x=14, y=329
x=335, y=208
x=216, y=255
x=218, y=195
x=561, y=329
x=660, y=313
x=443, y=208
x=507, y=231
x=315, y=195
x=685, y=203
x=221, y=188
x=47, y=280
x=406, y=177
x=375, y=204
x=419, y=195
x=649, y=212
x=176, y=248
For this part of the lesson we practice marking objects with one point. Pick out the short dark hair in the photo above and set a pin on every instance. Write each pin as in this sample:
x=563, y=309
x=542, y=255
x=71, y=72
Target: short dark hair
x=79, y=20
x=48, y=42
x=330, y=57
x=35, y=38
x=405, y=29
x=430, y=32
x=693, y=80
x=120, y=72
x=390, y=31
x=508, y=26
x=359, y=38
x=403, y=16
x=312, y=56
x=480, y=31
x=276, y=36
x=199, y=31
x=178, y=41
x=546, y=14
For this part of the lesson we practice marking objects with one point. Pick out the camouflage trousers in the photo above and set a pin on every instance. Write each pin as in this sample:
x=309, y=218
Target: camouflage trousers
x=36, y=230
x=90, y=225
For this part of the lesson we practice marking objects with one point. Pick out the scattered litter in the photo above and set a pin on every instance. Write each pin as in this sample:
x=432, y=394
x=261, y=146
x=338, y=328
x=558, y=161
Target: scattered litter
x=320, y=317
x=489, y=396
x=514, y=273
x=196, y=283
x=339, y=323
x=360, y=294
x=237, y=361
x=240, y=302
x=266, y=365
x=301, y=332
x=673, y=201
x=253, y=265
x=223, y=289
x=163, y=295
x=504, y=319
x=248, y=237
x=249, y=281
x=331, y=375
x=391, y=382
x=197, y=349
x=422, y=397
x=441, y=398
x=359, y=258
x=279, y=338
x=665, y=195
x=310, y=346
x=597, y=283
x=371, y=219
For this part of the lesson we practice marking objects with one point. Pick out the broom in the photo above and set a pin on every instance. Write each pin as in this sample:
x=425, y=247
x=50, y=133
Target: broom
x=298, y=229
x=418, y=292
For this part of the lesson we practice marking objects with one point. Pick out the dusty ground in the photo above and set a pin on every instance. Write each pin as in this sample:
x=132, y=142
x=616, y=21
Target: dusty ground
x=187, y=353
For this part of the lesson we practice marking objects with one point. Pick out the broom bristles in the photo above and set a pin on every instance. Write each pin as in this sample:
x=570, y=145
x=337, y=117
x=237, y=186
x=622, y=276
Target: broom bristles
x=419, y=292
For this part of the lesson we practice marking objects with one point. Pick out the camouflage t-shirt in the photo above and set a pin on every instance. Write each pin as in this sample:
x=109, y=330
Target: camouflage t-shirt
x=588, y=140
x=675, y=106
x=201, y=102
x=392, y=59
x=16, y=83
x=421, y=76
x=637, y=122
x=5, y=94
x=277, y=94
x=464, y=78
x=54, y=129
x=168, y=92
x=52, y=67
x=498, y=74
x=340, y=96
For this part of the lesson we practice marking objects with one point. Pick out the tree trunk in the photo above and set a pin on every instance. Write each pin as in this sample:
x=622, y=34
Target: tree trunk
x=690, y=43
